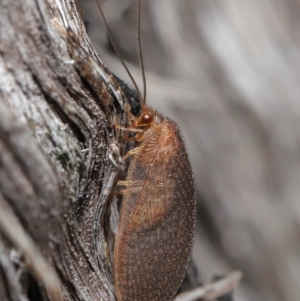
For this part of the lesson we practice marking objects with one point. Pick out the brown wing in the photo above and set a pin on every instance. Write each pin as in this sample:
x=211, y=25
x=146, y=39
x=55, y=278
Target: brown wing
x=156, y=232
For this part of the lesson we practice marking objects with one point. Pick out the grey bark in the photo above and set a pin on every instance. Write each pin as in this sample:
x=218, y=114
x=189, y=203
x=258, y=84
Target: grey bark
x=58, y=103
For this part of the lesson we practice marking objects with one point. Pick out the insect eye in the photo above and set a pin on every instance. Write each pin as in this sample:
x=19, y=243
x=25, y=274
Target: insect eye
x=147, y=118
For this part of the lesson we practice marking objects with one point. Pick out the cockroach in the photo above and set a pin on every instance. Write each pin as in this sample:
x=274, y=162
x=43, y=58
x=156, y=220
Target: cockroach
x=157, y=220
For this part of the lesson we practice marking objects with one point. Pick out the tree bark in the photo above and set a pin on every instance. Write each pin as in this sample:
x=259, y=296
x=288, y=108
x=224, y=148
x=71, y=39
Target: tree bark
x=58, y=105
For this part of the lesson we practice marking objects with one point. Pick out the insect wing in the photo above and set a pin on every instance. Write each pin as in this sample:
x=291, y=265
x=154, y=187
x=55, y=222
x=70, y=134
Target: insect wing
x=156, y=233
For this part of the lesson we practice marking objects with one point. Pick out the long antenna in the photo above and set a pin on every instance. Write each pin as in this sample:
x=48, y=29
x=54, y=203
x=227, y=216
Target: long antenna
x=140, y=49
x=118, y=52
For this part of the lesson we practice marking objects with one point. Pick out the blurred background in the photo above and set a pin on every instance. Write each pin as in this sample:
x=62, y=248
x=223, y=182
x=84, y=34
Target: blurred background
x=228, y=73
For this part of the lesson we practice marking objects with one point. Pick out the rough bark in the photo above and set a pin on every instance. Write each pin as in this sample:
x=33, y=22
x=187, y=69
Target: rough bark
x=58, y=103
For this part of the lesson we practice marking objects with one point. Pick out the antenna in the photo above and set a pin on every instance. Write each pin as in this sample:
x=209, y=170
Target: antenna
x=140, y=49
x=142, y=99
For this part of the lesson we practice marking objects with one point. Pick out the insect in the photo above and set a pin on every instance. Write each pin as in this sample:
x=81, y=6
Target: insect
x=157, y=220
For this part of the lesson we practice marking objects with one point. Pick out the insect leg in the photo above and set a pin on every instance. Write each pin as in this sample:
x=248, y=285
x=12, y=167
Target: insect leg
x=123, y=183
x=119, y=190
x=129, y=129
x=130, y=153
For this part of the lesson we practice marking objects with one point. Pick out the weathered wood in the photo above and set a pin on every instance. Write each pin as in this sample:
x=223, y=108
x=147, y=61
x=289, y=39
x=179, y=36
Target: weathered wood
x=58, y=103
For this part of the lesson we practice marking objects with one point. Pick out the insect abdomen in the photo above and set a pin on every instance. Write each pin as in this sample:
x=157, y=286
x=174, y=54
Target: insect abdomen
x=157, y=221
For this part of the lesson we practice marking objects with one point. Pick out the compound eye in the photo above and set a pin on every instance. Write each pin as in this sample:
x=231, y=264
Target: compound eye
x=147, y=118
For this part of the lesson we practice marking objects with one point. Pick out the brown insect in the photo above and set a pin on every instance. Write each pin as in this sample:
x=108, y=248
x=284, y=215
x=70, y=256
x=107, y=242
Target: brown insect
x=157, y=221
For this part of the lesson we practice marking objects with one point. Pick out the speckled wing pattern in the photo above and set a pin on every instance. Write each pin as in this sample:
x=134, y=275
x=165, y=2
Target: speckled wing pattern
x=157, y=223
